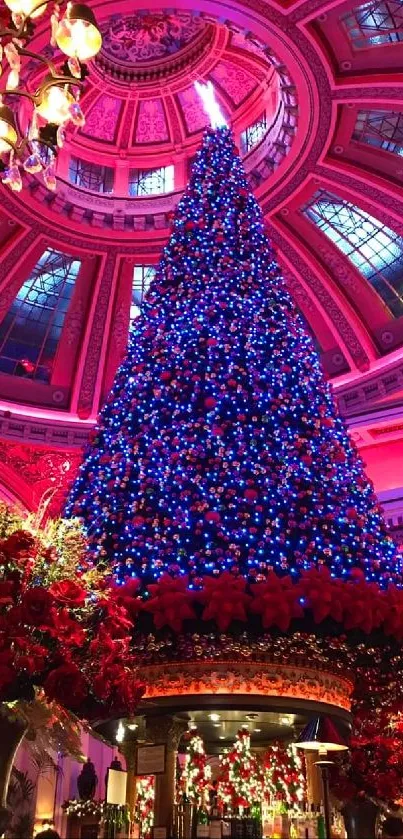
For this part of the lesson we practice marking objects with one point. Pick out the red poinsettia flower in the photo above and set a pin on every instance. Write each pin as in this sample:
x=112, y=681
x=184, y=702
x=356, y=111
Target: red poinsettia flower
x=171, y=602
x=225, y=599
x=36, y=607
x=277, y=601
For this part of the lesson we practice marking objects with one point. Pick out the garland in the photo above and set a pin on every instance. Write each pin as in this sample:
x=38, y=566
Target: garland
x=275, y=603
x=81, y=809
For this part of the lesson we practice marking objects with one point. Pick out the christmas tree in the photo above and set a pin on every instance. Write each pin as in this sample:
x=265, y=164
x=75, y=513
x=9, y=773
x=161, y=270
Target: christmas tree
x=240, y=782
x=220, y=447
x=195, y=779
x=283, y=776
x=145, y=796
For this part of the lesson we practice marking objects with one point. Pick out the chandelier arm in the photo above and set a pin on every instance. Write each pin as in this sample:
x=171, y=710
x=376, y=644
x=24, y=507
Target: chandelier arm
x=18, y=92
x=41, y=58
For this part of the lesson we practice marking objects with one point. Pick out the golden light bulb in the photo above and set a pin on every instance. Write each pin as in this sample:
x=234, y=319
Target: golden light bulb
x=54, y=104
x=8, y=132
x=27, y=8
x=78, y=35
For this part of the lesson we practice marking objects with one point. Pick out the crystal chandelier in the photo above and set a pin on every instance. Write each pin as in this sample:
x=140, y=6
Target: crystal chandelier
x=56, y=100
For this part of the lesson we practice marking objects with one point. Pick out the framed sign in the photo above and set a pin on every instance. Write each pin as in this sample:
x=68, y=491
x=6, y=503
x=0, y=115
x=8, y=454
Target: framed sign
x=151, y=760
x=116, y=789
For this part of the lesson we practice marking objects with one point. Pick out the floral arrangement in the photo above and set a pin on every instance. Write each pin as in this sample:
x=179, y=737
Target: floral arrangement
x=81, y=809
x=373, y=766
x=63, y=625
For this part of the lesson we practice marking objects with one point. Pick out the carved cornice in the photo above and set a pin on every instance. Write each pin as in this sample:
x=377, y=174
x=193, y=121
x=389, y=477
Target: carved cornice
x=228, y=678
x=156, y=71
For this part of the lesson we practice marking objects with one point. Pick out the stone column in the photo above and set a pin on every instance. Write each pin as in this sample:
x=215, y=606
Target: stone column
x=128, y=749
x=167, y=730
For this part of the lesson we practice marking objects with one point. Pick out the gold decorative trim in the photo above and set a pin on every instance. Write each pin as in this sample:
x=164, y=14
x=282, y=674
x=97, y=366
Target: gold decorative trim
x=237, y=679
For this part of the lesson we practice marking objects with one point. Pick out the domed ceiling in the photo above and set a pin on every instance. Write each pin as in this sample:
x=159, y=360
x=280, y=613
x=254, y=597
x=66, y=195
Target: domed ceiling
x=314, y=93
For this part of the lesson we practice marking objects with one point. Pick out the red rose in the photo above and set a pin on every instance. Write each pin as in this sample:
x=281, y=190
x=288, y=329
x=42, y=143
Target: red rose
x=36, y=606
x=68, y=592
x=66, y=685
x=6, y=676
x=68, y=631
x=20, y=542
x=7, y=590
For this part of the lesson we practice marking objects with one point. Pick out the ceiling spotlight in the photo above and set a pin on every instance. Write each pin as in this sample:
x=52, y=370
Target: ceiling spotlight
x=251, y=716
x=217, y=725
x=258, y=730
x=221, y=737
x=132, y=726
x=285, y=721
x=214, y=717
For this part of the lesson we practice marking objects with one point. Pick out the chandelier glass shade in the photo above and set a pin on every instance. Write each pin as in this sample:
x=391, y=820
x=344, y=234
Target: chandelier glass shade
x=56, y=101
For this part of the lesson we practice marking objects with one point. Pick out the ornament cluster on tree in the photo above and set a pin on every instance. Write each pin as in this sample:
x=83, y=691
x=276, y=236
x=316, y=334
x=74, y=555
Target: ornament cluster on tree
x=283, y=776
x=240, y=784
x=220, y=447
x=195, y=780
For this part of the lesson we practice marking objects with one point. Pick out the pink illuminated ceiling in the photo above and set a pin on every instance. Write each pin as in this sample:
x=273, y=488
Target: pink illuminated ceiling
x=328, y=78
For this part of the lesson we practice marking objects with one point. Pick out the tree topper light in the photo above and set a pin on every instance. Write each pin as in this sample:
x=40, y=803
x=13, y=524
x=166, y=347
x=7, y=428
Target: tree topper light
x=210, y=104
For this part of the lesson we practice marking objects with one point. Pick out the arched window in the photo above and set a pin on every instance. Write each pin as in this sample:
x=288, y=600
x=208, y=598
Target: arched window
x=382, y=129
x=253, y=134
x=31, y=329
x=375, y=23
x=151, y=181
x=374, y=249
x=91, y=176
x=142, y=277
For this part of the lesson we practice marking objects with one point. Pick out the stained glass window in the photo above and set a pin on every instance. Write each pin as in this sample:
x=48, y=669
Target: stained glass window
x=31, y=329
x=253, y=134
x=91, y=176
x=151, y=181
x=142, y=277
x=382, y=129
x=375, y=23
x=372, y=247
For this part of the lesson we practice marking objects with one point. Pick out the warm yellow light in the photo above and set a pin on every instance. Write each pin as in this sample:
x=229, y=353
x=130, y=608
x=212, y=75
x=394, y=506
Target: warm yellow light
x=8, y=133
x=77, y=34
x=28, y=8
x=54, y=104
